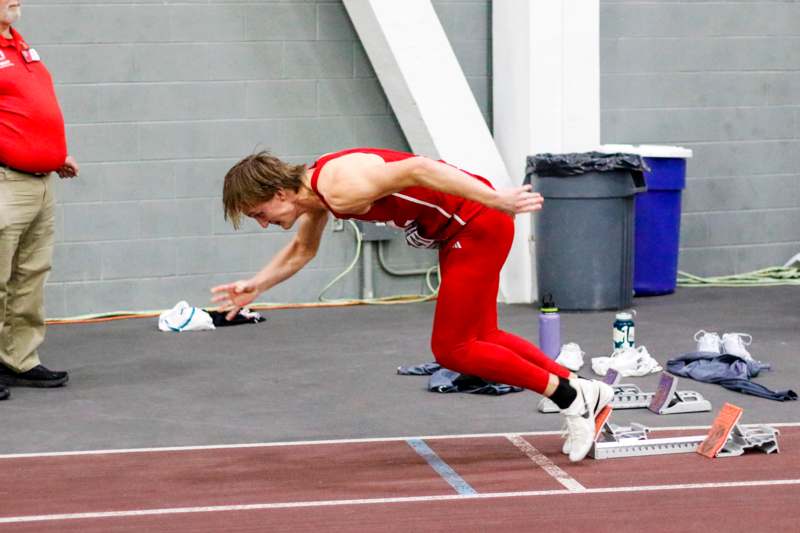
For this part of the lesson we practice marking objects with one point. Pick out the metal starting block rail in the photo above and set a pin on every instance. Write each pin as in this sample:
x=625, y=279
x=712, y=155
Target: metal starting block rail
x=762, y=438
x=726, y=438
x=664, y=401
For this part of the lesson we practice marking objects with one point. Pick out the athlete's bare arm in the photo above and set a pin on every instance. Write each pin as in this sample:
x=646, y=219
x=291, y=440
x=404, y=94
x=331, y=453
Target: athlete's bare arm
x=287, y=262
x=351, y=183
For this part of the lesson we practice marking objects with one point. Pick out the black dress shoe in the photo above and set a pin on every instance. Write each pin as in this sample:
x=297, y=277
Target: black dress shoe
x=4, y=393
x=38, y=376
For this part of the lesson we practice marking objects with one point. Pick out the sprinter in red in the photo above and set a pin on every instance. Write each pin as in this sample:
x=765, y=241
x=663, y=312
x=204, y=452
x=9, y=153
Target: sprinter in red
x=438, y=206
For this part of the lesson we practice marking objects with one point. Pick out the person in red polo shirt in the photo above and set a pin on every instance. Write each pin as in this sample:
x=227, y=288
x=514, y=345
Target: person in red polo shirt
x=32, y=146
x=438, y=206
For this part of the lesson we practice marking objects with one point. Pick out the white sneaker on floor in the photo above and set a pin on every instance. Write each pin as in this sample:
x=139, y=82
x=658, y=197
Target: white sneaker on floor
x=571, y=356
x=592, y=397
x=708, y=341
x=735, y=344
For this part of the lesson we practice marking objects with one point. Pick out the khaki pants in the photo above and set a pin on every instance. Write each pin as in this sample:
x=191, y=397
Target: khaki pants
x=27, y=213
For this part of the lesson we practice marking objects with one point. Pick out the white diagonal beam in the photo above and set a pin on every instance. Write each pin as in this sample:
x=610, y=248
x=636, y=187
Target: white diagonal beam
x=435, y=107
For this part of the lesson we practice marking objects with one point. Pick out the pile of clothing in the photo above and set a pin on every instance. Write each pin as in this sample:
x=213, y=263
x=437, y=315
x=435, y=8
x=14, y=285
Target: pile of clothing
x=727, y=362
x=444, y=380
x=184, y=317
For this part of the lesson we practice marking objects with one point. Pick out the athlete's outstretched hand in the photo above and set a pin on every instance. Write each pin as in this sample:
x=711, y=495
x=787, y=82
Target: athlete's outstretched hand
x=234, y=296
x=515, y=200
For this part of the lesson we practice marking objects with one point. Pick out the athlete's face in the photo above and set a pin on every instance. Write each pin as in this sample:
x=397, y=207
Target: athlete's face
x=280, y=211
x=10, y=11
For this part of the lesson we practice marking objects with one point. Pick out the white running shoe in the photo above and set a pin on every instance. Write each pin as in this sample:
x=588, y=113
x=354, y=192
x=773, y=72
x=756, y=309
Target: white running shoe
x=571, y=356
x=734, y=344
x=592, y=397
x=708, y=342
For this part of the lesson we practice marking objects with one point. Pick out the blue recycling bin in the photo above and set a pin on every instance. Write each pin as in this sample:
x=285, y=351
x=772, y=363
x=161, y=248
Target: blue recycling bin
x=658, y=218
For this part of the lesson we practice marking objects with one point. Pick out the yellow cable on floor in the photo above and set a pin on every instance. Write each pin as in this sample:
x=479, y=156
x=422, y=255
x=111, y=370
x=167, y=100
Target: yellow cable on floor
x=265, y=306
x=765, y=277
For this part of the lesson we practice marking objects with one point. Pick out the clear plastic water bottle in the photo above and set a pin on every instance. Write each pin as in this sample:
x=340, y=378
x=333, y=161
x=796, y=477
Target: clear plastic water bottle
x=624, y=331
x=549, y=327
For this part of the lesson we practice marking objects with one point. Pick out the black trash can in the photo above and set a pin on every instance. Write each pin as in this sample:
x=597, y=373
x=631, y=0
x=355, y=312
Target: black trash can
x=585, y=232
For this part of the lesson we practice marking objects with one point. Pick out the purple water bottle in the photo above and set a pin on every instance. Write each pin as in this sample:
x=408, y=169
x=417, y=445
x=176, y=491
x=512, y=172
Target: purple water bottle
x=549, y=327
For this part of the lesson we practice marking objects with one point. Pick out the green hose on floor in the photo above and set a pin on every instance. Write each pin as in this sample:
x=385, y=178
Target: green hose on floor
x=766, y=277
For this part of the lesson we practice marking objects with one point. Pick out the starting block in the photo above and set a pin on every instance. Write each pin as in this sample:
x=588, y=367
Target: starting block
x=726, y=438
x=666, y=400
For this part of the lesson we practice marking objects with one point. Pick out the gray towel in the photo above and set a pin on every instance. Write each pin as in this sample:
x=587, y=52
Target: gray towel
x=727, y=370
x=444, y=380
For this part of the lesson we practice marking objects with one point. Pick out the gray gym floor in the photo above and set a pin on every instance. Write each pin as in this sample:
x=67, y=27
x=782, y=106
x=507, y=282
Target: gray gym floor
x=330, y=373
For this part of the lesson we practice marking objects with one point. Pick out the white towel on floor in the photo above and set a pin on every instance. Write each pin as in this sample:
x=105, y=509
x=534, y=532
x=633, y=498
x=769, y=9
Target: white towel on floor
x=628, y=362
x=184, y=317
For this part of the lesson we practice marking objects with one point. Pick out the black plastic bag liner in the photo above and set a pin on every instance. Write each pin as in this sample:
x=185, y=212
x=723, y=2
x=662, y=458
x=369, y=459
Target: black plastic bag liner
x=576, y=164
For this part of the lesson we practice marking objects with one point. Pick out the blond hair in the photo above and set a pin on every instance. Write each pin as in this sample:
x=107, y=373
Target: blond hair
x=256, y=179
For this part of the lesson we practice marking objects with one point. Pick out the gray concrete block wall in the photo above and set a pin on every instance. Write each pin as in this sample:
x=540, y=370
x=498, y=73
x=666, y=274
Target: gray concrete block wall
x=721, y=78
x=162, y=97
x=468, y=25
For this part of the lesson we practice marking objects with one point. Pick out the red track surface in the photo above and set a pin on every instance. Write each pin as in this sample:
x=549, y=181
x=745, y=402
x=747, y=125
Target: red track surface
x=631, y=494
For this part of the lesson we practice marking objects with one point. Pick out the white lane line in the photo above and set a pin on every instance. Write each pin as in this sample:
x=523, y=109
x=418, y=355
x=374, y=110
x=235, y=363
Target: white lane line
x=380, y=501
x=547, y=465
x=333, y=441
x=269, y=444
